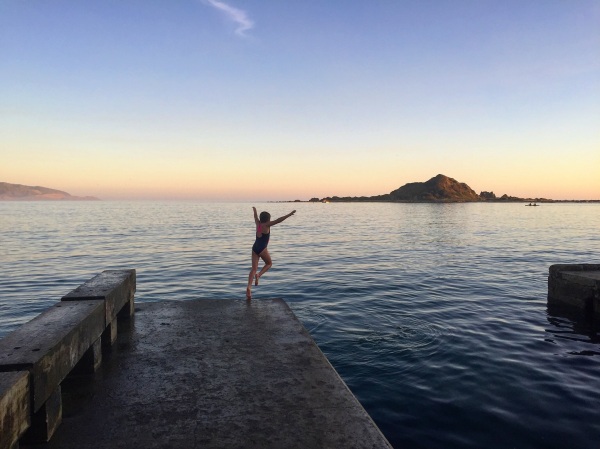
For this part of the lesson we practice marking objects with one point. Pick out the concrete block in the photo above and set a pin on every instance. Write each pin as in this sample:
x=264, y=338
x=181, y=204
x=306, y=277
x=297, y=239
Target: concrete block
x=14, y=407
x=91, y=360
x=583, y=278
x=109, y=336
x=564, y=291
x=50, y=345
x=115, y=287
x=576, y=285
x=128, y=310
x=46, y=420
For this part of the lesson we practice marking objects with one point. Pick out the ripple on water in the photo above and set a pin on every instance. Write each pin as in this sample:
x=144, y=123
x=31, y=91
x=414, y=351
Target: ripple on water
x=398, y=334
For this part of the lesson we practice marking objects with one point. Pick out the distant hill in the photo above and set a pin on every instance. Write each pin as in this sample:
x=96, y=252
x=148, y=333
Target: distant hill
x=18, y=192
x=439, y=189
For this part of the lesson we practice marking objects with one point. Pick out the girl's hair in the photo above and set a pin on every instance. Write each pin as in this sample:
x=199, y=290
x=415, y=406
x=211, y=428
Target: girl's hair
x=264, y=217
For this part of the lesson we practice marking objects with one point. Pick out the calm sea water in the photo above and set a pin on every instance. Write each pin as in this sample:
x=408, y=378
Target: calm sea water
x=435, y=315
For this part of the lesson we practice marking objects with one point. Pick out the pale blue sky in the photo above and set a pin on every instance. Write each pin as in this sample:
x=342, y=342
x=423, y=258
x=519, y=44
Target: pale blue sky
x=278, y=99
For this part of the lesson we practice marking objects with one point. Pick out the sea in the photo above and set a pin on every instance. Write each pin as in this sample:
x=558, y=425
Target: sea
x=435, y=315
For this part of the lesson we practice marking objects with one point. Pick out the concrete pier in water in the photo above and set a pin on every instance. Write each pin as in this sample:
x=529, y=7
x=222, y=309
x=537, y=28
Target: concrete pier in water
x=576, y=286
x=189, y=374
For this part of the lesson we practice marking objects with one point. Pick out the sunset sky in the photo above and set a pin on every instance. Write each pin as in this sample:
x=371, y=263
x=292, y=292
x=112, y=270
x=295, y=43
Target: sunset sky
x=268, y=100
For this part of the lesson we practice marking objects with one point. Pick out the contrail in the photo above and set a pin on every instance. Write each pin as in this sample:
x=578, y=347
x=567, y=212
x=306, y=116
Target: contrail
x=236, y=15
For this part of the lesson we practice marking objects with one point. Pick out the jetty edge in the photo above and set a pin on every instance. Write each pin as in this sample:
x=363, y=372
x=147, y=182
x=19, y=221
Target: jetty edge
x=206, y=373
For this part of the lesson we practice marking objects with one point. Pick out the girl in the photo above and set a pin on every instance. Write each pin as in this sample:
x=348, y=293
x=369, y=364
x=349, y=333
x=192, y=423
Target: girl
x=259, y=249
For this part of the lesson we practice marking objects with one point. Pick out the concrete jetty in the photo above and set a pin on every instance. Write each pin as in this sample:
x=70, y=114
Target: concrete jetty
x=194, y=374
x=576, y=286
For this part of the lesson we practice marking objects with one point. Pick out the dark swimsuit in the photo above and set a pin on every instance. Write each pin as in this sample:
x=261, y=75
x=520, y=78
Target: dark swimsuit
x=261, y=243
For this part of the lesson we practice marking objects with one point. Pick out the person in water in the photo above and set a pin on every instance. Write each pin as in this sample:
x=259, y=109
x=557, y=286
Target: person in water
x=259, y=249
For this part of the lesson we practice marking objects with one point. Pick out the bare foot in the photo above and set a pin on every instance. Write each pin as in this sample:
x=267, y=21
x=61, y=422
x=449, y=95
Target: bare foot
x=248, y=293
x=256, y=279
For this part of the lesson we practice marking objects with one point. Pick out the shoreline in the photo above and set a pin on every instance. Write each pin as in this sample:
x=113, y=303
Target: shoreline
x=331, y=200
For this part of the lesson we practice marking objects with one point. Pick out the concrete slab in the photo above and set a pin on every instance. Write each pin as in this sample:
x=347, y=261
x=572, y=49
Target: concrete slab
x=50, y=345
x=115, y=287
x=215, y=374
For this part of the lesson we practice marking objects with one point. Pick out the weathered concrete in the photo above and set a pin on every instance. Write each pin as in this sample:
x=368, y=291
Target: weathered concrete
x=115, y=287
x=50, y=345
x=66, y=338
x=46, y=420
x=14, y=408
x=90, y=361
x=576, y=285
x=109, y=336
x=215, y=374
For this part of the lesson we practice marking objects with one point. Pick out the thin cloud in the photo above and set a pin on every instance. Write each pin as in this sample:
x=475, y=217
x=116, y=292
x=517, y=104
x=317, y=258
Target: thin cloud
x=239, y=17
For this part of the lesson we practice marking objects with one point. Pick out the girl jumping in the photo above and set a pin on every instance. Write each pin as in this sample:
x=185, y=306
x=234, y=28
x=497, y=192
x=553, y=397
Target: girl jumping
x=259, y=249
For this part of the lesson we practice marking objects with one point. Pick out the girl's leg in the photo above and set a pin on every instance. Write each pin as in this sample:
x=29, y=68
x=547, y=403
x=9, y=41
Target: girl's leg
x=266, y=257
x=252, y=275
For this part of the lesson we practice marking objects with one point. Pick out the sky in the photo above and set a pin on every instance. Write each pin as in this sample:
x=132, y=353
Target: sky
x=245, y=100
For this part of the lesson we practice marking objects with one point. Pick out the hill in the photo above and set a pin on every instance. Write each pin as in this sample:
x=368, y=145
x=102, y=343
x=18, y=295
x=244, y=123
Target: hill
x=438, y=189
x=19, y=192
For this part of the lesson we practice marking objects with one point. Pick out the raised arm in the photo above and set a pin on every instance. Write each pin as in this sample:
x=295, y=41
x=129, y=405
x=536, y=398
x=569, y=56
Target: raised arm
x=280, y=219
x=256, y=220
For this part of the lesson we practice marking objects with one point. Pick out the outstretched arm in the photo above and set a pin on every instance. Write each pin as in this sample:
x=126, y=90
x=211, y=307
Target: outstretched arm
x=280, y=219
x=256, y=220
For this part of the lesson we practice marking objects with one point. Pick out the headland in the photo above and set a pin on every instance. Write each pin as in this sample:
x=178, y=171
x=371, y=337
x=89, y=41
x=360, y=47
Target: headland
x=439, y=189
x=19, y=192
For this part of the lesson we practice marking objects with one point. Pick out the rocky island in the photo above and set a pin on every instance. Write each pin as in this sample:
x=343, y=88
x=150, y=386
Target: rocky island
x=439, y=189
x=18, y=192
